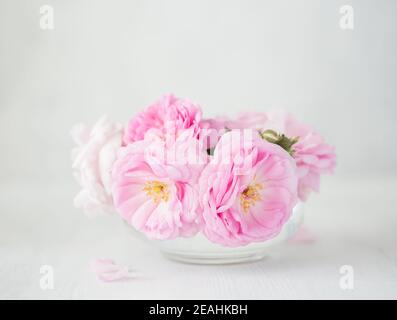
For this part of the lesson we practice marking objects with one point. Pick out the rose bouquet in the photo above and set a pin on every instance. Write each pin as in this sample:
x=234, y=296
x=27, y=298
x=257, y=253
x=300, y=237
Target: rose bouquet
x=171, y=173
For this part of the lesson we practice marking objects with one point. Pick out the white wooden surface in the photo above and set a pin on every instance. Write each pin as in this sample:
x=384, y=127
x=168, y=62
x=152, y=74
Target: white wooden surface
x=354, y=222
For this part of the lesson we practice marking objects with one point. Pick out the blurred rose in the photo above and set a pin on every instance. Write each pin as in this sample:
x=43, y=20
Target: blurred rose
x=313, y=156
x=93, y=159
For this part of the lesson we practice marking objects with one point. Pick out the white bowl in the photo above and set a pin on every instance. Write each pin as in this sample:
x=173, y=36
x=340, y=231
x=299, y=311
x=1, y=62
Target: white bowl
x=200, y=250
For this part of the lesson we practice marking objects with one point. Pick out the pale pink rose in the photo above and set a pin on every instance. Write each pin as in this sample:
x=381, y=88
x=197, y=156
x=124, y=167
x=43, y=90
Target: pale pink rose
x=211, y=130
x=214, y=128
x=313, y=156
x=245, y=120
x=166, y=118
x=247, y=190
x=218, y=123
x=154, y=187
x=92, y=163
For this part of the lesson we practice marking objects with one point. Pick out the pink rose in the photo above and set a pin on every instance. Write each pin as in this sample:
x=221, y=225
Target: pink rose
x=215, y=128
x=313, y=156
x=92, y=163
x=211, y=130
x=166, y=118
x=154, y=186
x=247, y=191
x=245, y=120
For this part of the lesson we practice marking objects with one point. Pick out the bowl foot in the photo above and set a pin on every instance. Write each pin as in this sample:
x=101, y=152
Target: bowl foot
x=211, y=259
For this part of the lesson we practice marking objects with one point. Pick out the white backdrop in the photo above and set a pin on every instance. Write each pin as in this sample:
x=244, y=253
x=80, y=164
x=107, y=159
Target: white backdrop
x=116, y=57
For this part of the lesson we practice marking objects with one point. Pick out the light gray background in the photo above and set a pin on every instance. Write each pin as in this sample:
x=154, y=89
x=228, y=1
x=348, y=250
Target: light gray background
x=115, y=57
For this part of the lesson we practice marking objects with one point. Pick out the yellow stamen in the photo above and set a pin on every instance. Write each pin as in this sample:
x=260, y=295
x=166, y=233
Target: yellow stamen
x=250, y=196
x=157, y=191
